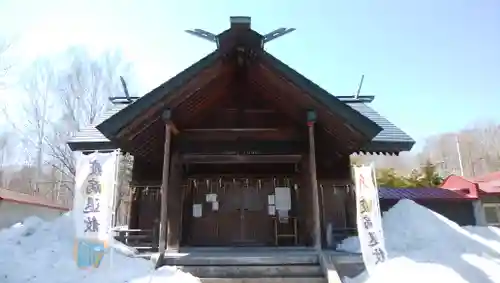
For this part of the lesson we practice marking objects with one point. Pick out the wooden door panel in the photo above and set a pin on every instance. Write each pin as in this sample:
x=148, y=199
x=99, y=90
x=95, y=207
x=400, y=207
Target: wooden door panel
x=204, y=229
x=242, y=217
x=256, y=221
x=230, y=213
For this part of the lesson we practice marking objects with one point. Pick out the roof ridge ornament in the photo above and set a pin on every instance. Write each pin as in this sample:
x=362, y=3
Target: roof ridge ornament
x=357, y=97
x=127, y=99
x=277, y=33
x=241, y=23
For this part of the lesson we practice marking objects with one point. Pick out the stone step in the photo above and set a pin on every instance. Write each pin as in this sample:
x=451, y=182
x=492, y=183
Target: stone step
x=221, y=259
x=254, y=271
x=265, y=280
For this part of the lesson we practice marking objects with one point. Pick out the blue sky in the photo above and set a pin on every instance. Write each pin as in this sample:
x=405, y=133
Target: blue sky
x=434, y=66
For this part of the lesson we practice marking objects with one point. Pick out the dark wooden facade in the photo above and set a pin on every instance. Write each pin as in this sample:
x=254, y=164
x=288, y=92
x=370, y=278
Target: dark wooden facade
x=238, y=124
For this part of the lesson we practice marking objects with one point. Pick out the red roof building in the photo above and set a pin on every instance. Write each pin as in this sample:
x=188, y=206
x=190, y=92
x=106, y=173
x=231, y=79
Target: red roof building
x=486, y=188
x=21, y=198
x=475, y=187
x=16, y=206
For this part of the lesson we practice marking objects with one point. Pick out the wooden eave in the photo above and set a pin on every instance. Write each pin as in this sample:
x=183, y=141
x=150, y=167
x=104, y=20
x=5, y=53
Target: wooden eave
x=240, y=159
x=158, y=98
x=163, y=95
x=335, y=106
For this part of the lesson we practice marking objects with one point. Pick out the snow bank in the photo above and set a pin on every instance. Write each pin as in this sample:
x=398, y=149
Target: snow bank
x=424, y=246
x=38, y=251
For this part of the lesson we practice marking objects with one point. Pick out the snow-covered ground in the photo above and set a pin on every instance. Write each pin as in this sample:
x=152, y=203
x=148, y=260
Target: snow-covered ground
x=424, y=246
x=38, y=251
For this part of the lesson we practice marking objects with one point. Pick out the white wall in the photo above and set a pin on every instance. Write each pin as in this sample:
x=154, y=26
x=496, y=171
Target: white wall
x=479, y=213
x=13, y=212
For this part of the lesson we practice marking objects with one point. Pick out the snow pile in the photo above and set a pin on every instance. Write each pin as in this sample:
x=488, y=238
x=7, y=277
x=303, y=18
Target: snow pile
x=38, y=251
x=424, y=246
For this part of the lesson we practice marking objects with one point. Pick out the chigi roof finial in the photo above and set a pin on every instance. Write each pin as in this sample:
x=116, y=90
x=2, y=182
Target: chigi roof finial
x=127, y=99
x=240, y=23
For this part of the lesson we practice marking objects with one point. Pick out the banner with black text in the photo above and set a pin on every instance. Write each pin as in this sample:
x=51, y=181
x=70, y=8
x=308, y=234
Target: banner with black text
x=95, y=182
x=369, y=219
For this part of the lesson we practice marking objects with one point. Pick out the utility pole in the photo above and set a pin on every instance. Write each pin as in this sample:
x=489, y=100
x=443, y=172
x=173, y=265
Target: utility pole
x=459, y=156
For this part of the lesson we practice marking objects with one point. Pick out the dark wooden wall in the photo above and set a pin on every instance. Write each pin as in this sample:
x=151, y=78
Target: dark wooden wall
x=246, y=108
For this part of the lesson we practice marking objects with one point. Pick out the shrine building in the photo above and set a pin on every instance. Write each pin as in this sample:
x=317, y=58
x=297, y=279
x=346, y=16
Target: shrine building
x=240, y=149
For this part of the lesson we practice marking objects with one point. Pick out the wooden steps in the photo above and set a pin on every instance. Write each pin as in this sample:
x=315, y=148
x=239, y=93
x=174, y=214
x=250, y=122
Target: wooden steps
x=249, y=267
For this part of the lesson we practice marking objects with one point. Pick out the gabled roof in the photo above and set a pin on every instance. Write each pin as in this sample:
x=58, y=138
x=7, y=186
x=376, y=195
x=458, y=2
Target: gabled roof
x=488, y=184
x=384, y=136
x=421, y=194
x=111, y=126
x=115, y=123
x=390, y=139
x=367, y=126
x=495, y=176
x=90, y=138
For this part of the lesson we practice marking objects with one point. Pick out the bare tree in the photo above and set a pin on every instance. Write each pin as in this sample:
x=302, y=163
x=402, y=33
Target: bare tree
x=64, y=94
x=122, y=206
x=478, y=146
x=4, y=144
x=4, y=155
x=5, y=64
x=32, y=122
x=39, y=84
x=83, y=92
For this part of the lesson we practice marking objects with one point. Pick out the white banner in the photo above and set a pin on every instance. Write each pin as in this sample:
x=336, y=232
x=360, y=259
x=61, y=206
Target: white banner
x=94, y=196
x=369, y=219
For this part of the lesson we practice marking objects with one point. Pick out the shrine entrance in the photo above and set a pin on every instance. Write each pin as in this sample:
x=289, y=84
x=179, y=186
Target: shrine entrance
x=233, y=210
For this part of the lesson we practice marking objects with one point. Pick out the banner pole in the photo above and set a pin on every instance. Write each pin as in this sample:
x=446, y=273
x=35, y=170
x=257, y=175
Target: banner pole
x=112, y=225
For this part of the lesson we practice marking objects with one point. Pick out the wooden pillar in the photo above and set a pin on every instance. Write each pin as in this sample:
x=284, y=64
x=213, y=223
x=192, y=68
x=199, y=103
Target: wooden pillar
x=174, y=202
x=164, y=184
x=311, y=120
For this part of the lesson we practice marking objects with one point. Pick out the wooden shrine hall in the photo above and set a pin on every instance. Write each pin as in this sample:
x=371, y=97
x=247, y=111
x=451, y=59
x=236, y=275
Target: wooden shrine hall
x=239, y=149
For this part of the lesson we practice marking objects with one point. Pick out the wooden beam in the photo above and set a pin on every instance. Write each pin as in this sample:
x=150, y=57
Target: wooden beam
x=240, y=159
x=221, y=135
x=204, y=79
x=173, y=128
x=329, y=120
x=311, y=119
x=164, y=186
x=241, y=147
x=250, y=111
x=234, y=130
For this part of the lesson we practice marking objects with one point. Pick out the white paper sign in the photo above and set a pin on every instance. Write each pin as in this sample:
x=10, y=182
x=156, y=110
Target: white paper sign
x=94, y=196
x=283, y=198
x=369, y=220
x=211, y=197
x=270, y=199
x=271, y=210
x=197, y=210
x=215, y=206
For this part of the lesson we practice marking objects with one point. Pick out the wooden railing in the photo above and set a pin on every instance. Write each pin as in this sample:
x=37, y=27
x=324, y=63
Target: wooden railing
x=140, y=239
x=144, y=240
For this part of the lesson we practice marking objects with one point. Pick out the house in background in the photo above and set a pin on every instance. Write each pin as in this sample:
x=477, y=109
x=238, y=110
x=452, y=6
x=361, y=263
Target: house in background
x=456, y=206
x=16, y=206
x=487, y=191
